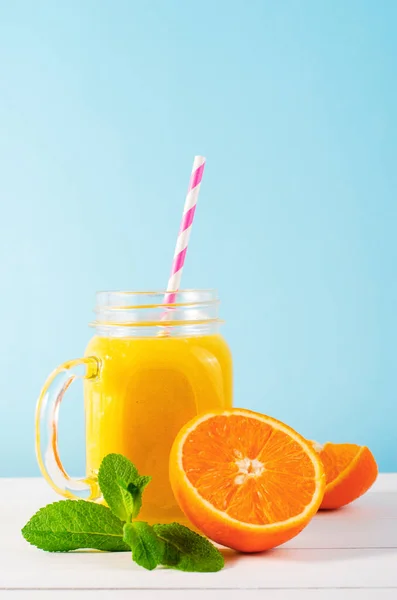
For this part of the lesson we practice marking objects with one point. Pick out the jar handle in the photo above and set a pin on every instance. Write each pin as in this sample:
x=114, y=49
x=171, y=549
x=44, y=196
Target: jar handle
x=47, y=412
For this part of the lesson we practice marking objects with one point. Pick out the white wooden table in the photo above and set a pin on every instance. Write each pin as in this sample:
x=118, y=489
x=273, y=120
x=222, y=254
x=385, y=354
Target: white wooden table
x=345, y=555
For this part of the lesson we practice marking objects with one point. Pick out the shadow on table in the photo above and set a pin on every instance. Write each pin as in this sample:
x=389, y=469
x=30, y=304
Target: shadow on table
x=325, y=555
x=379, y=506
x=308, y=555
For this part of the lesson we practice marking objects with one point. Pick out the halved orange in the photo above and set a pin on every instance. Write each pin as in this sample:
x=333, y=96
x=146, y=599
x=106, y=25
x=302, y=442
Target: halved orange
x=244, y=479
x=350, y=471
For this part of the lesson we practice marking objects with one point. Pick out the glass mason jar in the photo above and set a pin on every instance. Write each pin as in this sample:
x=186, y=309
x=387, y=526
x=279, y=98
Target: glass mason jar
x=149, y=368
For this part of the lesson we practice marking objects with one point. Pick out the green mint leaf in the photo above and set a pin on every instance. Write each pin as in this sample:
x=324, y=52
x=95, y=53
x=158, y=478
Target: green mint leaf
x=115, y=474
x=135, y=491
x=171, y=556
x=73, y=525
x=143, y=481
x=147, y=548
x=188, y=551
x=127, y=500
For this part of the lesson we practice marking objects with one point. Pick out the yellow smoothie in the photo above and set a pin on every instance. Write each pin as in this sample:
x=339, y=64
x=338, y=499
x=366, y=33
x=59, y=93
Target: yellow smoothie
x=147, y=389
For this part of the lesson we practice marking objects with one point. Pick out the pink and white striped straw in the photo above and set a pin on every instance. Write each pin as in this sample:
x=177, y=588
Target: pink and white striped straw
x=185, y=229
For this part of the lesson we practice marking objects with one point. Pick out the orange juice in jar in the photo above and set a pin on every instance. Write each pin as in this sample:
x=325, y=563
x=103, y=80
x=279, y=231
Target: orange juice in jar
x=144, y=377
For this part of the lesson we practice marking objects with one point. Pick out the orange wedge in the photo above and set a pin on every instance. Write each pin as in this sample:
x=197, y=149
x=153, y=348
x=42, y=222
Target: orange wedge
x=245, y=480
x=350, y=471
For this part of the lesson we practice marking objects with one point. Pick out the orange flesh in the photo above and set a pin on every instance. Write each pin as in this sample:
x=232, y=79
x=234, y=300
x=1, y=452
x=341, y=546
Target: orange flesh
x=336, y=458
x=248, y=469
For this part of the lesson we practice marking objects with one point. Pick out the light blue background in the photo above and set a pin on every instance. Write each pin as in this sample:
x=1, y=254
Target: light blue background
x=103, y=105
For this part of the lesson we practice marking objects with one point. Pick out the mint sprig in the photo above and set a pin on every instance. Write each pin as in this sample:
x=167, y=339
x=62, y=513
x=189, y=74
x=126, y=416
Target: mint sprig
x=122, y=486
x=172, y=545
x=76, y=524
x=147, y=548
x=186, y=550
x=73, y=525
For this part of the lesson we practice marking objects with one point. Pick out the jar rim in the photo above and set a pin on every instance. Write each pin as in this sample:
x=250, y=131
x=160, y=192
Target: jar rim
x=158, y=292
x=152, y=299
x=190, y=309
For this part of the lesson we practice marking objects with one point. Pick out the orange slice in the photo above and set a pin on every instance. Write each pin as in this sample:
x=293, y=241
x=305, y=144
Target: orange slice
x=245, y=480
x=350, y=471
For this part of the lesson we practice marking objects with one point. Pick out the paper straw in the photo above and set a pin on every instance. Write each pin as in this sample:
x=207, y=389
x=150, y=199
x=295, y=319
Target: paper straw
x=185, y=230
